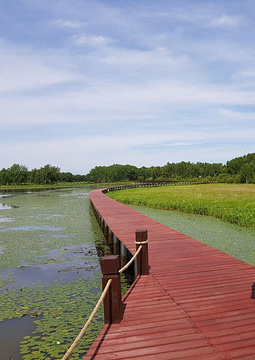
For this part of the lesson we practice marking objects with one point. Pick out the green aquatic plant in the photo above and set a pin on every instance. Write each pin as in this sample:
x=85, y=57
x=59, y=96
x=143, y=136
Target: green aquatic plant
x=5, y=281
x=55, y=229
x=60, y=311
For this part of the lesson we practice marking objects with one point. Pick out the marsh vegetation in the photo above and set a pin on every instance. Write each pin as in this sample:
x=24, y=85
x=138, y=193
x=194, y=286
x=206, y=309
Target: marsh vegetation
x=233, y=203
x=218, y=200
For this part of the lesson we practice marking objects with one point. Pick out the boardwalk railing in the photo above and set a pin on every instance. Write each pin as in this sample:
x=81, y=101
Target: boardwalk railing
x=113, y=306
x=111, y=284
x=152, y=184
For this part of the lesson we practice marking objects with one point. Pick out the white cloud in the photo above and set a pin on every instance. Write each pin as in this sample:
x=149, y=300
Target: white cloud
x=91, y=40
x=237, y=115
x=225, y=20
x=204, y=16
x=68, y=24
x=117, y=103
x=250, y=73
x=79, y=154
x=158, y=58
x=25, y=69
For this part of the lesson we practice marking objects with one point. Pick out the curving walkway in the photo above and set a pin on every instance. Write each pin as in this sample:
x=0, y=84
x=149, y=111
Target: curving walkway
x=195, y=303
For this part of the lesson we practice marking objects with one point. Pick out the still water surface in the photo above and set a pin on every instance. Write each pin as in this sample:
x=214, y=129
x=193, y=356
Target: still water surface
x=48, y=244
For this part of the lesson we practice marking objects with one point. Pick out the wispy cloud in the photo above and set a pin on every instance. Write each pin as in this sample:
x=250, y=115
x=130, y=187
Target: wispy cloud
x=68, y=24
x=226, y=20
x=23, y=69
x=91, y=40
x=240, y=116
x=249, y=73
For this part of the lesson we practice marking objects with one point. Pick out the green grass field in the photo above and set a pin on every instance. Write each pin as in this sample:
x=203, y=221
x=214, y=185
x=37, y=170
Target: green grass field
x=234, y=203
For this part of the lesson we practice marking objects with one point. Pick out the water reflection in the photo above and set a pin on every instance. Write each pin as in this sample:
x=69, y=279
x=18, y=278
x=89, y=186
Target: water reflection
x=4, y=196
x=5, y=207
x=10, y=346
x=5, y=220
x=31, y=228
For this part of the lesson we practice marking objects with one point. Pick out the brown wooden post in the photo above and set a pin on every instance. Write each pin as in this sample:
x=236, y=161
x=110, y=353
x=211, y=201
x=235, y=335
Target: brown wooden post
x=123, y=255
x=141, y=237
x=110, y=239
x=113, y=306
x=116, y=245
x=101, y=223
x=105, y=227
x=97, y=215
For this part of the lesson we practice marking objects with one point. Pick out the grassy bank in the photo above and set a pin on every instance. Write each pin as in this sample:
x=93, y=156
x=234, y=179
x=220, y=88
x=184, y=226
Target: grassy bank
x=27, y=187
x=234, y=203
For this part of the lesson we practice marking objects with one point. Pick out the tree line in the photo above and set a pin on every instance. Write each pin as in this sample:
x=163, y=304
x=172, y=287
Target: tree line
x=237, y=170
x=46, y=175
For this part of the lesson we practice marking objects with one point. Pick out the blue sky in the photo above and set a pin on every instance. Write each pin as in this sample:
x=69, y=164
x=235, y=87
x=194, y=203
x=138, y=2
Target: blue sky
x=88, y=83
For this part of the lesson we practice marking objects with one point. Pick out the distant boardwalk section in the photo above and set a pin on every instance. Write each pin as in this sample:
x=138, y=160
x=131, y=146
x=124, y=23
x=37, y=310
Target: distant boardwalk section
x=195, y=303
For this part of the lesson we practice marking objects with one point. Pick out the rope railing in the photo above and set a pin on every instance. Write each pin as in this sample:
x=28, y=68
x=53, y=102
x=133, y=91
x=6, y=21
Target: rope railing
x=113, y=304
x=130, y=261
x=83, y=330
x=134, y=256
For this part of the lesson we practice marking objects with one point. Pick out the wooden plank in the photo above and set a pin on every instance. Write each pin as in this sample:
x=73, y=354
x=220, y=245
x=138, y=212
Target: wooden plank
x=195, y=303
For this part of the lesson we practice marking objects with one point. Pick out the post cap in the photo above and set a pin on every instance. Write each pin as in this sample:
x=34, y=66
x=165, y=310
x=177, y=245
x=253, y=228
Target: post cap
x=110, y=264
x=141, y=235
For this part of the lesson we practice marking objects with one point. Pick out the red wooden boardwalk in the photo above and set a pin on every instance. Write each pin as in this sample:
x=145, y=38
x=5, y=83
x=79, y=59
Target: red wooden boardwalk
x=195, y=303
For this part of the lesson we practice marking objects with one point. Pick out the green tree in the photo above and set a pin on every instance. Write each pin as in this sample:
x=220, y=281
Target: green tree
x=169, y=170
x=248, y=172
x=45, y=175
x=66, y=177
x=98, y=174
x=51, y=174
x=18, y=174
x=4, y=177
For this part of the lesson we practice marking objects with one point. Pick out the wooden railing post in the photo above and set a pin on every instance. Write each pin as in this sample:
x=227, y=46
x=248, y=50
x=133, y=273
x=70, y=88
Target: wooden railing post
x=116, y=245
x=123, y=255
x=105, y=230
x=110, y=240
x=113, y=306
x=141, y=239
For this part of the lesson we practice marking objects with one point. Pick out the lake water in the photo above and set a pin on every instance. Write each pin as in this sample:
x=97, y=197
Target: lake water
x=49, y=271
x=50, y=276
